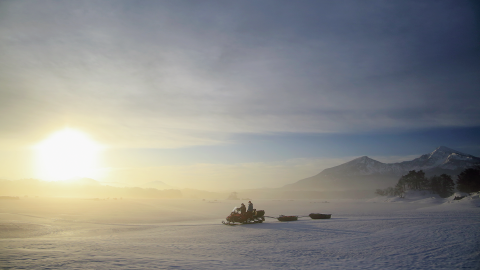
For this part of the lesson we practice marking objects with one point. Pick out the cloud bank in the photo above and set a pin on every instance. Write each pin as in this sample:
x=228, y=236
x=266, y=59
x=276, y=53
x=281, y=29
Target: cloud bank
x=173, y=74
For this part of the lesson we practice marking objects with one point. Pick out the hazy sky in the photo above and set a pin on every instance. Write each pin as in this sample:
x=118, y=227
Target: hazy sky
x=238, y=93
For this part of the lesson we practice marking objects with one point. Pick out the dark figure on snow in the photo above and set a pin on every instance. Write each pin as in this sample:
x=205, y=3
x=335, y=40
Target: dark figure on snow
x=250, y=207
x=242, y=209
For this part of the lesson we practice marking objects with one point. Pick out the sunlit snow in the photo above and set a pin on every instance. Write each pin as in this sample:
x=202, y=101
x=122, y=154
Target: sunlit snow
x=416, y=233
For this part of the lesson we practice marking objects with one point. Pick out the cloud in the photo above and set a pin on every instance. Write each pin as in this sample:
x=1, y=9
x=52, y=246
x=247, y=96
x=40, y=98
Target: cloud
x=168, y=74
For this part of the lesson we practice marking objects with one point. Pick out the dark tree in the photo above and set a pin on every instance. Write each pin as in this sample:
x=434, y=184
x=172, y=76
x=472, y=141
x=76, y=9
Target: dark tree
x=390, y=191
x=400, y=189
x=412, y=180
x=415, y=180
x=435, y=184
x=448, y=186
x=443, y=185
x=402, y=183
x=469, y=180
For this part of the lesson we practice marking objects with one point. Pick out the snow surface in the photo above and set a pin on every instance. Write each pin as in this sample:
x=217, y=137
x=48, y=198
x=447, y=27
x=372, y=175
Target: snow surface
x=420, y=232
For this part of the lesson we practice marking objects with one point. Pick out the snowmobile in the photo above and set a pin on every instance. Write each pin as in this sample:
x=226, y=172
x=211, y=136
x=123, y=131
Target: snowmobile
x=247, y=218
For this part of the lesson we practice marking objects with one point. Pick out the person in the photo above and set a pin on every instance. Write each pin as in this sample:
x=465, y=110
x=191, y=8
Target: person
x=242, y=209
x=250, y=207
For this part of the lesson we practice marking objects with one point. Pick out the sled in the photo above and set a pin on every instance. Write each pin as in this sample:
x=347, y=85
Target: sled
x=320, y=216
x=287, y=218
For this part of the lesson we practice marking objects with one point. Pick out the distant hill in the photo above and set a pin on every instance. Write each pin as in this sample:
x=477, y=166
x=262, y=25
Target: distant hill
x=80, y=188
x=156, y=184
x=83, y=181
x=364, y=172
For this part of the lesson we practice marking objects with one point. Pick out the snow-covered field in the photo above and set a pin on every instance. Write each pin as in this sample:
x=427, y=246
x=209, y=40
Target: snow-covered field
x=56, y=233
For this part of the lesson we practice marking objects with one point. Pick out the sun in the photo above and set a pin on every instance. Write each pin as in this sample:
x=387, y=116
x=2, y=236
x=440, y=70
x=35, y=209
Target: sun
x=67, y=154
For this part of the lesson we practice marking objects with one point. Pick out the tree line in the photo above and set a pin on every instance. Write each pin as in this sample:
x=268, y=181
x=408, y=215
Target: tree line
x=467, y=181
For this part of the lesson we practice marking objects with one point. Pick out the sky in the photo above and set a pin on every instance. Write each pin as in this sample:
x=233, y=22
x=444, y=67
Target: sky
x=230, y=94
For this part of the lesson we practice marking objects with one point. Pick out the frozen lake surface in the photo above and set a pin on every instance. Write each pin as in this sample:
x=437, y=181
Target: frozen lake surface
x=42, y=233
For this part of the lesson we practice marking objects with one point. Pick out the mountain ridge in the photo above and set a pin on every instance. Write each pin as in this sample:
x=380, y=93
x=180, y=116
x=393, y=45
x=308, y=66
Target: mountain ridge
x=365, y=172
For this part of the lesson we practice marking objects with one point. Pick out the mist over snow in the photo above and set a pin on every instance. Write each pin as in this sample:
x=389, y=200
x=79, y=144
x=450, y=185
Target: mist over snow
x=422, y=232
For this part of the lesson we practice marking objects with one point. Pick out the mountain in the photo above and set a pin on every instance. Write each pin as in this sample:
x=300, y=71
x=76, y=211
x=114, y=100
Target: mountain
x=82, y=181
x=364, y=172
x=156, y=184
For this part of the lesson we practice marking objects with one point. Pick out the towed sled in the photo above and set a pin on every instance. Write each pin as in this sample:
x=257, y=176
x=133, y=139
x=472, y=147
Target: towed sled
x=236, y=217
x=320, y=216
x=287, y=218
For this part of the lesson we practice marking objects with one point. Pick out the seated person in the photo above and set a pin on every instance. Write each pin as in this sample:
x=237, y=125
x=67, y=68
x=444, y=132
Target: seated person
x=242, y=209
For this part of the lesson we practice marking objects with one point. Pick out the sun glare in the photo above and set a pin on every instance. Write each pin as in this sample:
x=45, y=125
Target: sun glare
x=68, y=154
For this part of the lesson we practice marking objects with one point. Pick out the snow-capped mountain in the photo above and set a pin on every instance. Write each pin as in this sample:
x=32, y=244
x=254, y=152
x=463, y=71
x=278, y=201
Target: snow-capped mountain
x=364, y=171
x=442, y=158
